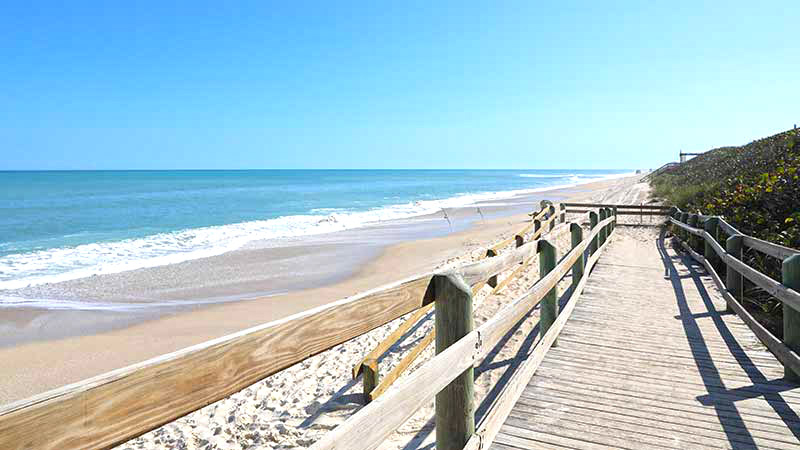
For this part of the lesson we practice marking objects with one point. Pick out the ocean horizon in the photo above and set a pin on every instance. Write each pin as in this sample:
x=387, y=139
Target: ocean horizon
x=64, y=225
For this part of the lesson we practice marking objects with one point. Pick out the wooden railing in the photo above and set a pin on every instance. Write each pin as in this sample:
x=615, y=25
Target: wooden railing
x=369, y=367
x=696, y=229
x=448, y=376
x=114, y=407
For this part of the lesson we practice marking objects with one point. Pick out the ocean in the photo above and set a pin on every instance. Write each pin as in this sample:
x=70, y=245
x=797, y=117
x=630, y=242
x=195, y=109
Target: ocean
x=63, y=225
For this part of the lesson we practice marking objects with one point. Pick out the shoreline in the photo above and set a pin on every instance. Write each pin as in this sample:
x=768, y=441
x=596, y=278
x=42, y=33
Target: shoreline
x=45, y=364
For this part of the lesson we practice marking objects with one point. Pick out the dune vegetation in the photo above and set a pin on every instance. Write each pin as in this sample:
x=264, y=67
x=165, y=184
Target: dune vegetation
x=756, y=188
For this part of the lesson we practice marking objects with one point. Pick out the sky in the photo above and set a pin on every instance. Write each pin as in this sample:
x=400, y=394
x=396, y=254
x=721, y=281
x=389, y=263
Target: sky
x=443, y=84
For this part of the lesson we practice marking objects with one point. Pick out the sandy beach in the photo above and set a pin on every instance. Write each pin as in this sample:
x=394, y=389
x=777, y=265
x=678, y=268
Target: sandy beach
x=296, y=406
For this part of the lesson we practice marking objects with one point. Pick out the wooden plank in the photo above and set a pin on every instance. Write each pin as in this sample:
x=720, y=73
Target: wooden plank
x=768, y=248
x=494, y=419
x=401, y=366
x=116, y=406
x=783, y=353
x=615, y=205
x=390, y=340
x=622, y=212
x=367, y=428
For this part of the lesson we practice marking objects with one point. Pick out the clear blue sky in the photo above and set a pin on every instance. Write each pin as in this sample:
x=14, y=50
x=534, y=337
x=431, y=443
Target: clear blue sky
x=402, y=85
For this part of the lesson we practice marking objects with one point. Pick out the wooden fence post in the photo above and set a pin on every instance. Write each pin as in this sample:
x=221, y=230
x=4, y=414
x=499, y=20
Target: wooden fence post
x=577, y=238
x=537, y=224
x=790, y=271
x=370, y=377
x=733, y=279
x=614, y=225
x=549, y=309
x=552, y=214
x=592, y=224
x=684, y=234
x=563, y=212
x=602, y=234
x=694, y=240
x=710, y=226
x=455, y=407
x=609, y=227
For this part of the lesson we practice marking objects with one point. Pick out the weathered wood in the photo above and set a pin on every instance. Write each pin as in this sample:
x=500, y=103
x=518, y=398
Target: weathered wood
x=768, y=248
x=684, y=219
x=402, y=366
x=733, y=279
x=784, y=354
x=790, y=271
x=563, y=213
x=710, y=226
x=549, y=311
x=727, y=228
x=369, y=426
x=114, y=407
x=390, y=340
x=624, y=212
x=455, y=405
x=693, y=240
x=511, y=392
x=602, y=234
x=615, y=205
x=614, y=212
x=552, y=213
x=593, y=220
x=492, y=281
x=370, y=378
x=577, y=238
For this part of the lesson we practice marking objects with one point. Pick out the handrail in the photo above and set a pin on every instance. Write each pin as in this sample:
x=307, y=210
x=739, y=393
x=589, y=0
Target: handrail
x=496, y=416
x=784, y=354
x=367, y=428
x=784, y=350
x=113, y=407
x=377, y=385
x=615, y=205
x=774, y=288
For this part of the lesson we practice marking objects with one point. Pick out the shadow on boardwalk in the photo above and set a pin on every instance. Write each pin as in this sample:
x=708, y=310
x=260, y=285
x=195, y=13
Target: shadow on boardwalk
x=722, y=399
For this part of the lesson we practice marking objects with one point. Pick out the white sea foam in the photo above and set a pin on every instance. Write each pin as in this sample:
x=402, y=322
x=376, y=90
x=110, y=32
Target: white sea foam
x=69, y=263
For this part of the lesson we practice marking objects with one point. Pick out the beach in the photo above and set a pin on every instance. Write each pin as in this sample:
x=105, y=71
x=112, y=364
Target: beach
x=34, y=366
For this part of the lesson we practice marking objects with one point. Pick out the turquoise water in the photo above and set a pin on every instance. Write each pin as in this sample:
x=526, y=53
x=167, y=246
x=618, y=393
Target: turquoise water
x=64, y=225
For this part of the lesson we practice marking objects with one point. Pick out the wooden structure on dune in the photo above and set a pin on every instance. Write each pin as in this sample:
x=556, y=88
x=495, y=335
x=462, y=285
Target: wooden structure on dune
x=640, y=353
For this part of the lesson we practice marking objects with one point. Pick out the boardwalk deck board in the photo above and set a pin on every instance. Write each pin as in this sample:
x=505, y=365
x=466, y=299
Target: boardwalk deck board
x=650, y=359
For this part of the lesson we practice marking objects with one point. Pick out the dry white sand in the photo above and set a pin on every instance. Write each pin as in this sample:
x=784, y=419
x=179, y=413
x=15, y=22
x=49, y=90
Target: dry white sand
x=295, y=407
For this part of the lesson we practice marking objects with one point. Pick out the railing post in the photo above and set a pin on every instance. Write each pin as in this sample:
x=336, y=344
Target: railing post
x=563, y=212
x=593, y=246
x=549, y=309
x=537, y=224
x=693, y=240
x=577, y=238
x=552, y=214
x=602, y=234
x=609, y=227
x=710, y=226
x=790, y=271
x=370, y=377
x=684, y=234
x=455, y=407
x=614, y=225
x=733, y=279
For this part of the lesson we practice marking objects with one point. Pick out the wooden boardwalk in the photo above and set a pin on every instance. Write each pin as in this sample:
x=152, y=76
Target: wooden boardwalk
x=649, y=359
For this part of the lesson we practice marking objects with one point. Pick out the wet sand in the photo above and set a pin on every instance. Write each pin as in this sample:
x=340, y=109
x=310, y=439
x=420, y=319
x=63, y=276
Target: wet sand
x=45, y=349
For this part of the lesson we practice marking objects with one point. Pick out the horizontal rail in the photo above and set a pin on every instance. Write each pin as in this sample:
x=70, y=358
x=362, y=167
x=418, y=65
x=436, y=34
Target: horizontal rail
x=784, y=354
x=114, y=407
x=367, y=428
x=768, y=248
x=487, y=430
x=772, y=287
x=625, y=213
x=618, y=206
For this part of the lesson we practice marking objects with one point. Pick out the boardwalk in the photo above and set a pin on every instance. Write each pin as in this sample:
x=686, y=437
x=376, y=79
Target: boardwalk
x=665, y=369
